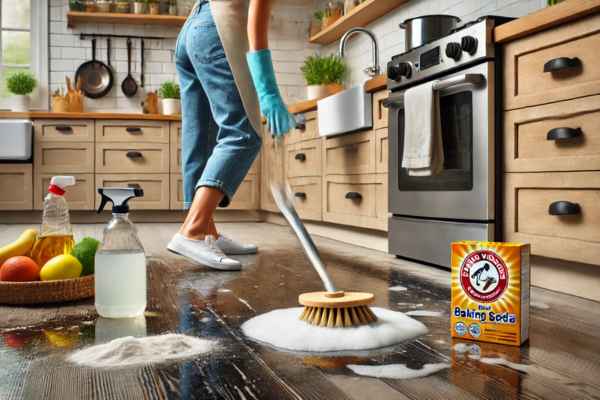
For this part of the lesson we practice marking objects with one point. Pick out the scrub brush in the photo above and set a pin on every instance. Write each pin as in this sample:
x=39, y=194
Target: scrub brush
x=331, y=308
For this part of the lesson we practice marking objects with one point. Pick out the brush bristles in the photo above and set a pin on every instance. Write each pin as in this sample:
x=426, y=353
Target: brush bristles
x=338, y=317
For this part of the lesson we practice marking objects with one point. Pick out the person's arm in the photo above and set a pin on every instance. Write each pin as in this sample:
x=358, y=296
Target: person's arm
x=258, y=24
x=279, y=120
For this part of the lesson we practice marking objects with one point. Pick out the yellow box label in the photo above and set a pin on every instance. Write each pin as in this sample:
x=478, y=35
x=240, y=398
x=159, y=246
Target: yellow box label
x=490, y=291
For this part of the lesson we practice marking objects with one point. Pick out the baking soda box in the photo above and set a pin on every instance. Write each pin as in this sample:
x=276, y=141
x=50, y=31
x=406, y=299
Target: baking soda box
x=490, y=292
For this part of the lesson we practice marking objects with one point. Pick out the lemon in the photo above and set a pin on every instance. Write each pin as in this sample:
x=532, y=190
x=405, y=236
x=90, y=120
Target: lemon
x=63, y=266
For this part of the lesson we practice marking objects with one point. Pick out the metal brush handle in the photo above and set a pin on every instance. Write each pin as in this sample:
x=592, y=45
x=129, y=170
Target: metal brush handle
x=283, y=198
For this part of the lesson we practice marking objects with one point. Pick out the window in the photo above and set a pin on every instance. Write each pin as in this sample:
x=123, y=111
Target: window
x=24, y=46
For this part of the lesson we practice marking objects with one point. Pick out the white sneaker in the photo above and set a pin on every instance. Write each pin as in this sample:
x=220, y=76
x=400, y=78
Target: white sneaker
x=229, y=246
x=205, y=252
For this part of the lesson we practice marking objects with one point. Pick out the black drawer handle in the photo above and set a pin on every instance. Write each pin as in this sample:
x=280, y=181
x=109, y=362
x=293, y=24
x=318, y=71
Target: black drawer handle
x=133, y=129
x=562, y=63
x=564, y=208
x=300, y=195
x=134, y=185
x=64, y=128
x=300, y=157
x=564, y=133
x=134, y=154
x=353, y=196
x=301, y=126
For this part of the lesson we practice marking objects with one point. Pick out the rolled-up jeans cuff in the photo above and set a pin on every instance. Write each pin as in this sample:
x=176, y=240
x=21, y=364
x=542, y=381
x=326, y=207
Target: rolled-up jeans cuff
x=217, y=184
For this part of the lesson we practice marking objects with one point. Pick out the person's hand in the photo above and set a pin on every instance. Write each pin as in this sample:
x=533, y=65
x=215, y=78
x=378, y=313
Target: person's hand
x=279, y=120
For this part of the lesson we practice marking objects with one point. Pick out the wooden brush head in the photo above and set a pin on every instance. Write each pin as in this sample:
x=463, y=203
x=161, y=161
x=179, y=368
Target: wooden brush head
x=337, y=309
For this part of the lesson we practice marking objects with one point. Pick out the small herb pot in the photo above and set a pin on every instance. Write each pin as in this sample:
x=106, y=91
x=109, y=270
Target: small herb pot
x=139, y=7
x=104, y=6
x=171, y=106
x=20, y=103
x=315, y=92
x=154, y=8
x=122, y=7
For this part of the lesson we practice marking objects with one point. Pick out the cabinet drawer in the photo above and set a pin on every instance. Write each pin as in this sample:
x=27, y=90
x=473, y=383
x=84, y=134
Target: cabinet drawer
x=573, y=236
x=17, y=183
x=350, y=154
x=304, y=158
x=308, y=198
x=132, y=158
x=247, y=196
x=176, y=202
x=381, y=151
x=528, y=132
x=269, y=169
x=380, y=113
x=80, y=196
x=525, y=60
x=306, y=128
x=64, y=157
x=358, y=200
x=155, y=186
x=64, y=130
x=175, y=141
x=132, y=131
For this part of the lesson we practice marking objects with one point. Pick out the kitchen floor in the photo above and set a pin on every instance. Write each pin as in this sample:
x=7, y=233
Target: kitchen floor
x=562, y=356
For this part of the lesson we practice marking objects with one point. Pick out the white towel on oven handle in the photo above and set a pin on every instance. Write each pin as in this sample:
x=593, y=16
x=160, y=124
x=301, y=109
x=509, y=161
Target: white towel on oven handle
x=423, y=153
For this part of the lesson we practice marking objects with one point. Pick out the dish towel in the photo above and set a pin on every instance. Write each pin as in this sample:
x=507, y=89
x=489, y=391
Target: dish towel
x=423, y=153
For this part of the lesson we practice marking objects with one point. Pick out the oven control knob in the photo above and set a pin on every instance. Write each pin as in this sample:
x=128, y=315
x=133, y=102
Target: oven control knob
x=453, y=50
x=469, y=44
x=398, y=71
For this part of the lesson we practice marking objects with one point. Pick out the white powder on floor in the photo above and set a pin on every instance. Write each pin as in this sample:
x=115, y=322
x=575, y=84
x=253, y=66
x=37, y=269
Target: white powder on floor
x=129, y=351
x=424, y=313
x=502, y=361
x=397, y=288
x=465, y=348
x=283, y=329
x=540, y=305
x=397, y=371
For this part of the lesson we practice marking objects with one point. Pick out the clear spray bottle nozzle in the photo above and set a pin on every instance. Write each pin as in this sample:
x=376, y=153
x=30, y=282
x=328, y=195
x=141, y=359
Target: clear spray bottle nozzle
x=118, y=197
x=59, y=183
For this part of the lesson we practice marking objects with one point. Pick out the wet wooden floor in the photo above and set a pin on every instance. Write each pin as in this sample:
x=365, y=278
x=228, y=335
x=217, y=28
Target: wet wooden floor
x=563, y=352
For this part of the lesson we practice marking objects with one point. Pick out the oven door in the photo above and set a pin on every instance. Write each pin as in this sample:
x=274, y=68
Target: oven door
x=465, y=189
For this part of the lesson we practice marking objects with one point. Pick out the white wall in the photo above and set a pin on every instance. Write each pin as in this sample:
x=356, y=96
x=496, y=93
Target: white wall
x=289, y=27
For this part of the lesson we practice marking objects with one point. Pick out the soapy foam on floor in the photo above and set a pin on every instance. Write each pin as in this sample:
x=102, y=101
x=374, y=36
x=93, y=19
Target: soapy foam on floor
x=397, y=371
x=283, y=329
x=502, y=361
x=540, y=305
x=424, y=313
x=129, y=351
x=397, y=288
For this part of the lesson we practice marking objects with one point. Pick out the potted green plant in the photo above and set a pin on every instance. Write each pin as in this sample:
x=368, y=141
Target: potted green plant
x=139, y=6
x=172, y=7
x=21, y=84
x=153, y=7
x=170, y=98
x=324, y=75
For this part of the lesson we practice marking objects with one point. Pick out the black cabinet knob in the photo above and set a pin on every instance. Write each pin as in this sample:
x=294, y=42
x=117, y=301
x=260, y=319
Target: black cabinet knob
x=468, y=44
x=300, y=195
x=132, y=154
x=64, y=128
x=353, y=196
x=561, y=64
x=301, y=126
x=134, y=185
x=300, y=157
x=564, y=133
x=564, y=208
x=453, y=50
x=133, y=129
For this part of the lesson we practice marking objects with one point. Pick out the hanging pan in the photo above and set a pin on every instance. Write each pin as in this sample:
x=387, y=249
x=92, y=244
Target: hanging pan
x=96, y=77
x=129, y=86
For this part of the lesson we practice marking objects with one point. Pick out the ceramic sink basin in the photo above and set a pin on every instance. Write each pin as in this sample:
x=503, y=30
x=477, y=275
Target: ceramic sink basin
x=347, y=111
x=15, y=139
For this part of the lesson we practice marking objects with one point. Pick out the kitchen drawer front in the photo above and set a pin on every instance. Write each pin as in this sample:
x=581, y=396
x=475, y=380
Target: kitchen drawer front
x=64, y=157
x=304, y=158
x=381, y=150
x=64, y=130
x=175, y=132
x=357, y=200
x=155, y=186
x=307, y=128
x=176, y=202
x=247, y=197
x=80, y=196
x=132, y=158
x=132, y=131
x=17, y=183
x=175, y=166
x=308, y=197
x=380, y=113
x=528, y=130
x=269, y=170
x=175, y=141
x=575, y=236
x=350, y=154
x=527, y=84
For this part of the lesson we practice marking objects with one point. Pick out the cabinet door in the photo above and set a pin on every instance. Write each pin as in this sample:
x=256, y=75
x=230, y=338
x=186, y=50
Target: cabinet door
x=155, y=186
x=381, y=151
x=132, y=131
x=68, y=130
x=16, y=181
x=132, y=158
x=380, y=113
x=350, y=154
x=63, y=157
x=304, y=158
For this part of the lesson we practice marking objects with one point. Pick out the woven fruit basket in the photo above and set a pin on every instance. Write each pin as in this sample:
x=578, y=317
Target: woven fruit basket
x=43, y=292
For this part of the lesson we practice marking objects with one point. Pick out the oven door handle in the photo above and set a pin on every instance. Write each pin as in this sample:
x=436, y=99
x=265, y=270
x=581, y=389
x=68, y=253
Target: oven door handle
x=395, y=100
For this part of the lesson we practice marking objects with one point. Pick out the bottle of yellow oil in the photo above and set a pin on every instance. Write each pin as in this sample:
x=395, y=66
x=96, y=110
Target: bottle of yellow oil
x=56, y=236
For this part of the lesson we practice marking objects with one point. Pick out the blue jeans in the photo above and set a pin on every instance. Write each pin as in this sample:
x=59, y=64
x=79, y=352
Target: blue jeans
x=218, y=142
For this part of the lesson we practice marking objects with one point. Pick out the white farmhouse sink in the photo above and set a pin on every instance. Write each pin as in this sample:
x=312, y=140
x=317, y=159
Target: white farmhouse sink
x=347, y=111
x=15, y=139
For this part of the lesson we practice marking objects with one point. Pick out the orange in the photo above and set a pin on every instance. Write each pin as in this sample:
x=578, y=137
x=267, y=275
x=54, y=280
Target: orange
x=19, y=269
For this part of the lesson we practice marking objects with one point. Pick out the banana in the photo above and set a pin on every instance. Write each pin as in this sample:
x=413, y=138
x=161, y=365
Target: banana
x=20, y=247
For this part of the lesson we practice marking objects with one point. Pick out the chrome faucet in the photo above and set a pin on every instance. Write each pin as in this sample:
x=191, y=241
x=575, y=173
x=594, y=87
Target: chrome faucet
x=374, y=69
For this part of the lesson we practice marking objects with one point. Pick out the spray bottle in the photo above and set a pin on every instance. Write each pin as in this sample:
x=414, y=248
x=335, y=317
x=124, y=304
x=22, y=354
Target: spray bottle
x=56, y=236
x=120, y=264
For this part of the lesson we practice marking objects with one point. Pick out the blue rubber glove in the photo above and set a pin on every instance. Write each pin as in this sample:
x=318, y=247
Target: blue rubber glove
x=279, y=120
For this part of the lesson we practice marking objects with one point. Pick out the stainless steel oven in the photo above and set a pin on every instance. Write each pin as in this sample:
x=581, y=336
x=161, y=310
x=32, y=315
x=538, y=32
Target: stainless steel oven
x=430, y=212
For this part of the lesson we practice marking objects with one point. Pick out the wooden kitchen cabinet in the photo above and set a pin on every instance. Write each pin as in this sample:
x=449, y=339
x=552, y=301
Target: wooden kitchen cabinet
x=175, y=141
x=70, y=130
x=81, y=196
x=63, y=157
x=380, y=113
x=133, y=157
x=352, y=153
x=16, y=181
x=381, y=151
x=155, y=186
x=132, y=131
x=304, y=158
x=308, y=197
x=268, y=172
x=306, y=128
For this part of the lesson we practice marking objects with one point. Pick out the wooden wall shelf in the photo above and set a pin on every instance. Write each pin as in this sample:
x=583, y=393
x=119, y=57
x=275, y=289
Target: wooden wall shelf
x=76, y=17
x=361, y=15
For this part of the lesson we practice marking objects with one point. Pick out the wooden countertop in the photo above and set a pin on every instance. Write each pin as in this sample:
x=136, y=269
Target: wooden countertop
x=545, y=18
x=89, y=115
x=372, y=85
